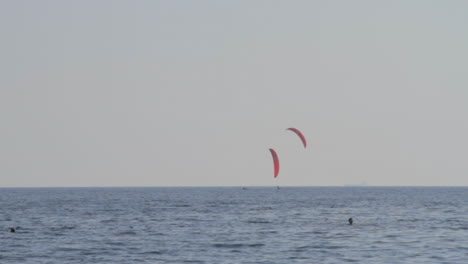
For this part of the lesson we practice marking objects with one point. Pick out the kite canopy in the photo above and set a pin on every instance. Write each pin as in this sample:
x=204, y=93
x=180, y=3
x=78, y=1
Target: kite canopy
x=300, y=135
x=275, y=162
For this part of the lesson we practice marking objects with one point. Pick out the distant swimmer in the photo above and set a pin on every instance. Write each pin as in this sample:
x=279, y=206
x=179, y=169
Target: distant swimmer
x=12, y=229
x=350, y=221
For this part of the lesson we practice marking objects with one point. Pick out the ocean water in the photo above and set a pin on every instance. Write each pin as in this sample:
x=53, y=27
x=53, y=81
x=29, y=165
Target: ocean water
x=234, y=225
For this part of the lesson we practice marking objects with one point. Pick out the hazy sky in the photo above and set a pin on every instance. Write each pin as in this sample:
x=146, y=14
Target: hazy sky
x=171, y=93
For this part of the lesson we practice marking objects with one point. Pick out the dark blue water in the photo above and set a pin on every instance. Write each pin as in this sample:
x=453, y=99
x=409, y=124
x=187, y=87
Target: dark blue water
x=232, y=225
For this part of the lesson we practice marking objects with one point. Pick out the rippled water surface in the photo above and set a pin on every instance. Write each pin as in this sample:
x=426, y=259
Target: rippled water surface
x=233, y=225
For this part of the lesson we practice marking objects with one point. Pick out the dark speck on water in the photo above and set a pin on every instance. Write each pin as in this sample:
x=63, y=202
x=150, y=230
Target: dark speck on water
x=235, y=225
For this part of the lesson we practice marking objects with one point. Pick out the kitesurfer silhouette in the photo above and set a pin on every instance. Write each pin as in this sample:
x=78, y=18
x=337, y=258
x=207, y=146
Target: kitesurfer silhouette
x=350, y=220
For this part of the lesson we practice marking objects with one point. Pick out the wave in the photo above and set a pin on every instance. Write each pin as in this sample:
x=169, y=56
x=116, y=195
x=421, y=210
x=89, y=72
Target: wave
x=237, y=245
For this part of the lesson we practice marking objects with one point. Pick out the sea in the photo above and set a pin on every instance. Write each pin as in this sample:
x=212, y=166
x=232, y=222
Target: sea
x=234, y=225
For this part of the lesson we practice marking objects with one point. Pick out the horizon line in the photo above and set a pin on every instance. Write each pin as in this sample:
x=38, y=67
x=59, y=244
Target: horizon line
x=231, y=186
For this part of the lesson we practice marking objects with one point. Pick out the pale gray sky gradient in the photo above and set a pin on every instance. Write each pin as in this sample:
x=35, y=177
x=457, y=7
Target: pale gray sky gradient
x=193, y=93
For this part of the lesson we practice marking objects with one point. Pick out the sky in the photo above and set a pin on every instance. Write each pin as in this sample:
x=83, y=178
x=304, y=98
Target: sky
x=194, y=93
